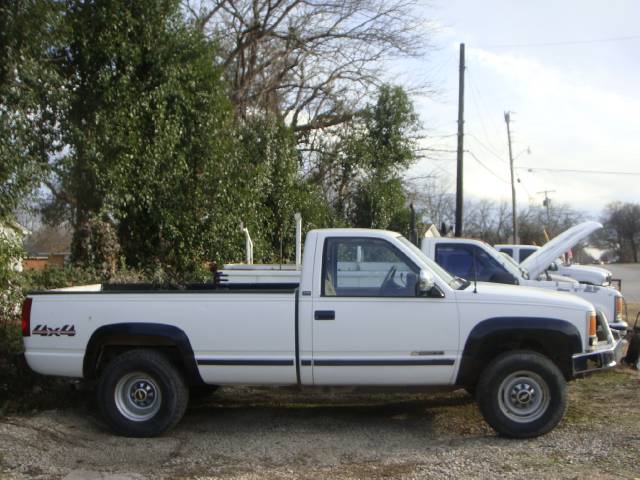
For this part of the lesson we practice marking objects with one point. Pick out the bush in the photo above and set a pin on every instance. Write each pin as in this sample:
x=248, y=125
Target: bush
x=58, y=277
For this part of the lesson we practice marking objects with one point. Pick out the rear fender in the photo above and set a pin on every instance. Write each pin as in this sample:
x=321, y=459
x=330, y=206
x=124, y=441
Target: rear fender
x=140, y=335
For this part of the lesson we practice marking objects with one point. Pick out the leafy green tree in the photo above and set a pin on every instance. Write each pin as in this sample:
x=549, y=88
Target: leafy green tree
x=269, y=157
x=151, y=135
x=370, y=160
x=31, y=93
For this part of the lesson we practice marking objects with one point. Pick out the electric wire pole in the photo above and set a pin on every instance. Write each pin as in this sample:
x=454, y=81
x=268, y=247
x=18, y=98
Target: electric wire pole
x=507, y=119
x=547, y=204
x=459, y=183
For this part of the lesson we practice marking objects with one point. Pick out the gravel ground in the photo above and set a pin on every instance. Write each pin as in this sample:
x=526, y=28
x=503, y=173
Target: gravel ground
x=248, y=433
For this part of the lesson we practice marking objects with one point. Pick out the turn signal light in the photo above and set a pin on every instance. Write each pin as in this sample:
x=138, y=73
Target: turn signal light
x=592, y=324
x=618, y=308
x=592, y=328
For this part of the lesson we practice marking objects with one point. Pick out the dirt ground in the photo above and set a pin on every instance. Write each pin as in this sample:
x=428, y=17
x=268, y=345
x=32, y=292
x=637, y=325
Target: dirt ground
x=248, y=433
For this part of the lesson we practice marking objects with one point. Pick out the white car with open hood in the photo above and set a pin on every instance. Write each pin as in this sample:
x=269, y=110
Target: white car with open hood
x=588, y=274
x=368, y=309
x=475, y=259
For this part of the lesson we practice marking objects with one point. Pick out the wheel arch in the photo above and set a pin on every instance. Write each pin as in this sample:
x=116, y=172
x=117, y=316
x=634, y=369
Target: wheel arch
x=125, y=336
x=556, y=339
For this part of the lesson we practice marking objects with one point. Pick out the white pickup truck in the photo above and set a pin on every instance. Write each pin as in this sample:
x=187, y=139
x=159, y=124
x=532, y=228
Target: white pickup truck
x=475, y=259
x=588, y=274
x=369, y=309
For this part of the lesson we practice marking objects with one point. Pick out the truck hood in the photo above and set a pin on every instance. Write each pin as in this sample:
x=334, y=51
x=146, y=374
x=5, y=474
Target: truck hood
x=522, y=295
x=591, y=269
x=539, y=260
x=561, y=278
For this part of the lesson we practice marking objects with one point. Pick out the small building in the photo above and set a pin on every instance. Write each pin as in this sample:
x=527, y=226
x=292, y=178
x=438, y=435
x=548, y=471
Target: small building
x=432, y=231
x=42, y=261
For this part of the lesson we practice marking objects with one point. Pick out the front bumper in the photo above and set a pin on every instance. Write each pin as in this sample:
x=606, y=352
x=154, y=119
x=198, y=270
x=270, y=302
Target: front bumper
x=601, y=359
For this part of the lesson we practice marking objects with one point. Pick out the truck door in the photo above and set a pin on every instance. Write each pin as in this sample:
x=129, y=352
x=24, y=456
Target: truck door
x=369, y=325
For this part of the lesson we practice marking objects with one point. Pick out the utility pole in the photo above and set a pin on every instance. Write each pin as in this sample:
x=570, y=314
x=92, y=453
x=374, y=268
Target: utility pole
x=459, y=183
x=547, y=204
x=413, y=235
x=507, y=119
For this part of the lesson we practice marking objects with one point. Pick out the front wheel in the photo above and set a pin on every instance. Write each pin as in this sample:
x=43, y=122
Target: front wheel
x=522, y=394
x=141, y=394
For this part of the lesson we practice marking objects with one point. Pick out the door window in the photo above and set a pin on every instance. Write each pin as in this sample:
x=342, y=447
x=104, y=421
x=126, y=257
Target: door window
x=459, y=261
x=366, y=267
x=525, y=252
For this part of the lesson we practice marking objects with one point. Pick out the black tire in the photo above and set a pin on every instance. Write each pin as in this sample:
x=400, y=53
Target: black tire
x=141, y=394
x=522, y=394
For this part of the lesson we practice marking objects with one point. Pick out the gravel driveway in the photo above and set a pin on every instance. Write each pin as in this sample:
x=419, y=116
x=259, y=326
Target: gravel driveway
x=248, y=433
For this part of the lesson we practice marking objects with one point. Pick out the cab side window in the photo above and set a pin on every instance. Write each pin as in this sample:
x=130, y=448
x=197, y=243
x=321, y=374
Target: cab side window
x=459, y=260
x=366, y=267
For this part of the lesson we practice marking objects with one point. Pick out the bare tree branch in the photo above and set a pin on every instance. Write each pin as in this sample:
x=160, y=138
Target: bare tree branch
x=310, y=62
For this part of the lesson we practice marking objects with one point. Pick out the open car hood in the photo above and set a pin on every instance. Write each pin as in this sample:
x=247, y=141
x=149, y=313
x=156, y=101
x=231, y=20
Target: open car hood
x=539, y=260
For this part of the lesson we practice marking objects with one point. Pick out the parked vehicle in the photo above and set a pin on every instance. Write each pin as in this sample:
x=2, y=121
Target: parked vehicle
x=582, y=273
x=475, y=259
x=370, y=309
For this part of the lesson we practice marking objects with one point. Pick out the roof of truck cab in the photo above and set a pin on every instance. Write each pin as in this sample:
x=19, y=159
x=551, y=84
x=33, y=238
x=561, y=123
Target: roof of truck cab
x=454, y=240
x=357, y=232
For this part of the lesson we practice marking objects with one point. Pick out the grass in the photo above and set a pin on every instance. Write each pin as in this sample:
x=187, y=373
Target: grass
x=605, y=396
x=632, y=312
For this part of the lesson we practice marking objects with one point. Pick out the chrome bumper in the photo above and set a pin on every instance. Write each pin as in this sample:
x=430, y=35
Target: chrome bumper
x=600, y=359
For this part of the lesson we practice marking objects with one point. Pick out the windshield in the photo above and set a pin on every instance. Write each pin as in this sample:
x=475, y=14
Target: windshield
x=515, y=264
x=454, y=282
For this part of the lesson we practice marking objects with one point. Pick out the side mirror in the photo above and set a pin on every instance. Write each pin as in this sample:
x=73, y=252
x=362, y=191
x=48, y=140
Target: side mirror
x=426, y=284
x=553, y=267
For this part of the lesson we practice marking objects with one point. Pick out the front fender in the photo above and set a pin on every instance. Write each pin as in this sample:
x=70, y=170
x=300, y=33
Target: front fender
x=557, y=339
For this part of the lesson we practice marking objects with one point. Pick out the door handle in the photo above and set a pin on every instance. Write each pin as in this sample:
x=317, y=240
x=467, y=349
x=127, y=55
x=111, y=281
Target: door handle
x=325, y=315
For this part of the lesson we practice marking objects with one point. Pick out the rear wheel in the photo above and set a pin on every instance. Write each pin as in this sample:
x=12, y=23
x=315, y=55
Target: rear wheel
x=141, y=394
x=522, y=394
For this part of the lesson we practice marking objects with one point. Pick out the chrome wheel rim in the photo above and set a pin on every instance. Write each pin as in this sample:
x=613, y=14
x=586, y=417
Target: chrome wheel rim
x=523, y=396
x=137, y=397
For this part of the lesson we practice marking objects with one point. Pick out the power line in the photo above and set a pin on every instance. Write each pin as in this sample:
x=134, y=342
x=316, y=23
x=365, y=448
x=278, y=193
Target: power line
x=479, y=103
x=566, y=42
x=487, y=148
x=442, y=150
x=569, y=170
x=485, y=167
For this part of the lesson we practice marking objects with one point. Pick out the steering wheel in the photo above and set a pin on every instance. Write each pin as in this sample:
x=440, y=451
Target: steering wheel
x=388, y=278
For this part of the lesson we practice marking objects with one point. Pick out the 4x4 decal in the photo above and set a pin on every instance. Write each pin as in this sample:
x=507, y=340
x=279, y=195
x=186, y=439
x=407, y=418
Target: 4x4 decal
x=69, y=330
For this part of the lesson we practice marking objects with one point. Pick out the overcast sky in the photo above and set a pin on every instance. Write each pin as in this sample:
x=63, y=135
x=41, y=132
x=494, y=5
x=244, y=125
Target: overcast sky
x=576, y=105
